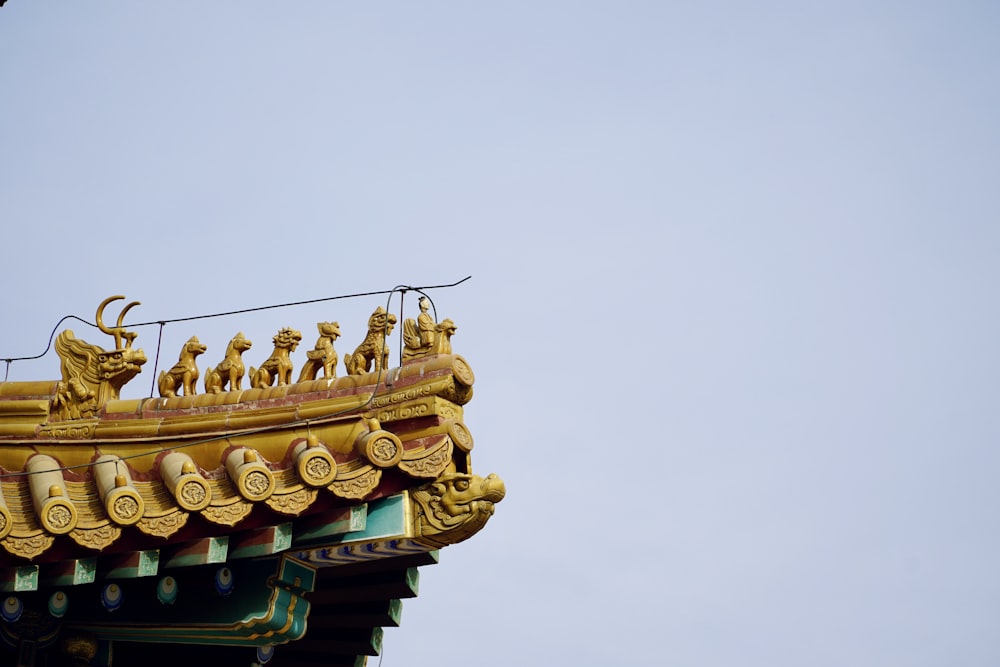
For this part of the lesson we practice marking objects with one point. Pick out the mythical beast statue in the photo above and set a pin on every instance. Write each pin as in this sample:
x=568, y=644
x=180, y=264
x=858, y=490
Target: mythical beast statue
x=92, y=376
x=423, y=336
x=323, y=356
x=279, y=365
x=184, y=374
x=230, y=370
x=455, y=506
x=373, y=349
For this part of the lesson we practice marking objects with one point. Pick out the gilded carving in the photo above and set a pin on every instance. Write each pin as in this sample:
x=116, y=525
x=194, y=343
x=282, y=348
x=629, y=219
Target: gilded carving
x=460, y=434
x=125, y=508
x=92, y=376
x=228, y=515
x=253, y=480
x=373, y=350
x=163, y=526
x=357, y=484
x=193, y=492
x=382, y=448
x=80, y=647
x=400, y=396
x=314, y=463
x=316, y=468
x=96, y=538
x=256, y=483
x=73, y=400
x=231, y=369
x=455, y=506
x=294, y=503
x=323, y=356
x=463, y=373
x=279, y=365
x=429, y=464
x=423, y=337
x=58, y=517
x=184, y=374
x=71, y=431
x=28, y=547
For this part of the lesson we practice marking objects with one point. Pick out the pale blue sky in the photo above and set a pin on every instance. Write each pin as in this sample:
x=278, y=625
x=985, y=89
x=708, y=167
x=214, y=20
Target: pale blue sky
x=732, y=314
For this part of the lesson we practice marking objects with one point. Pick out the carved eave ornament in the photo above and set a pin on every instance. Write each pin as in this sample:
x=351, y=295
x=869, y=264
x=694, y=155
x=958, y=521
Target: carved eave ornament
x=82, y=468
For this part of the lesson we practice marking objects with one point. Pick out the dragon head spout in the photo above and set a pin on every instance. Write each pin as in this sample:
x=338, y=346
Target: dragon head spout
x=455, y=506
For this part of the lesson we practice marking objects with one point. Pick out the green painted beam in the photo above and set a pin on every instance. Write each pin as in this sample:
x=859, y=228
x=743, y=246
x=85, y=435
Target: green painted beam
x=19, y=579
x=69, y=573
x=261, y=542
x=266, y=606
x=132, y=565
x=198, y=552
x=319, y=529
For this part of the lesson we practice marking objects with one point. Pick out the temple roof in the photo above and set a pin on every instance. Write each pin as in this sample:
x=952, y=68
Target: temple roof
x=326, y=492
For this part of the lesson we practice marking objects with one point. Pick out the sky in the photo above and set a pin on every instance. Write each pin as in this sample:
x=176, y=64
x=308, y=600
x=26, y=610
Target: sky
x=732, y=308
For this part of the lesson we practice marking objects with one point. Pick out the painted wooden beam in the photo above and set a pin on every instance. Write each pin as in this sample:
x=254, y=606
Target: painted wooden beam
x=70, y=572
x=399, y=584
x=19, y=578
x=199, y=552
x=384, y=613
x=366, y=641
x=132, y=565
x=318, y=529
x=261, y=542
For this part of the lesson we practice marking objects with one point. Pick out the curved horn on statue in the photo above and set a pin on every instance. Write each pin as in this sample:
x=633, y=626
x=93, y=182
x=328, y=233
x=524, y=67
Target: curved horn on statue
x=119, y=330
x=103, y=327
x=129, y=337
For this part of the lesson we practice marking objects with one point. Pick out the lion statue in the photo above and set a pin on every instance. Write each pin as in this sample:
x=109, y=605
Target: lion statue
x=373, y=349
x=279, y=365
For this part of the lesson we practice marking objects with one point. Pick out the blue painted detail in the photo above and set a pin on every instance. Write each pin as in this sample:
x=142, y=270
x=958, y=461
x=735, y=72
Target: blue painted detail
x=166, y=590
x=58, y=604
x=12, y=609
x=264, y=654
x=111, y=597
x=224, y=581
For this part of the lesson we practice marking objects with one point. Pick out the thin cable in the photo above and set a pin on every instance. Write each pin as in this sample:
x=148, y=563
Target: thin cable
x=298, y=303
x=53, y=335
x=156, y=363
x=231, y=312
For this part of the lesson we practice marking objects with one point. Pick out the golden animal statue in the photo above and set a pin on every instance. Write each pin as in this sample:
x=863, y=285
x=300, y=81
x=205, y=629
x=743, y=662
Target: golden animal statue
x=425, y=337
x=323, y=356
x=458, y=504
x=183, y=374
x=279, y=364
x=230, y=370
x=74, y=400
x=373, y=349
x=92, y=376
